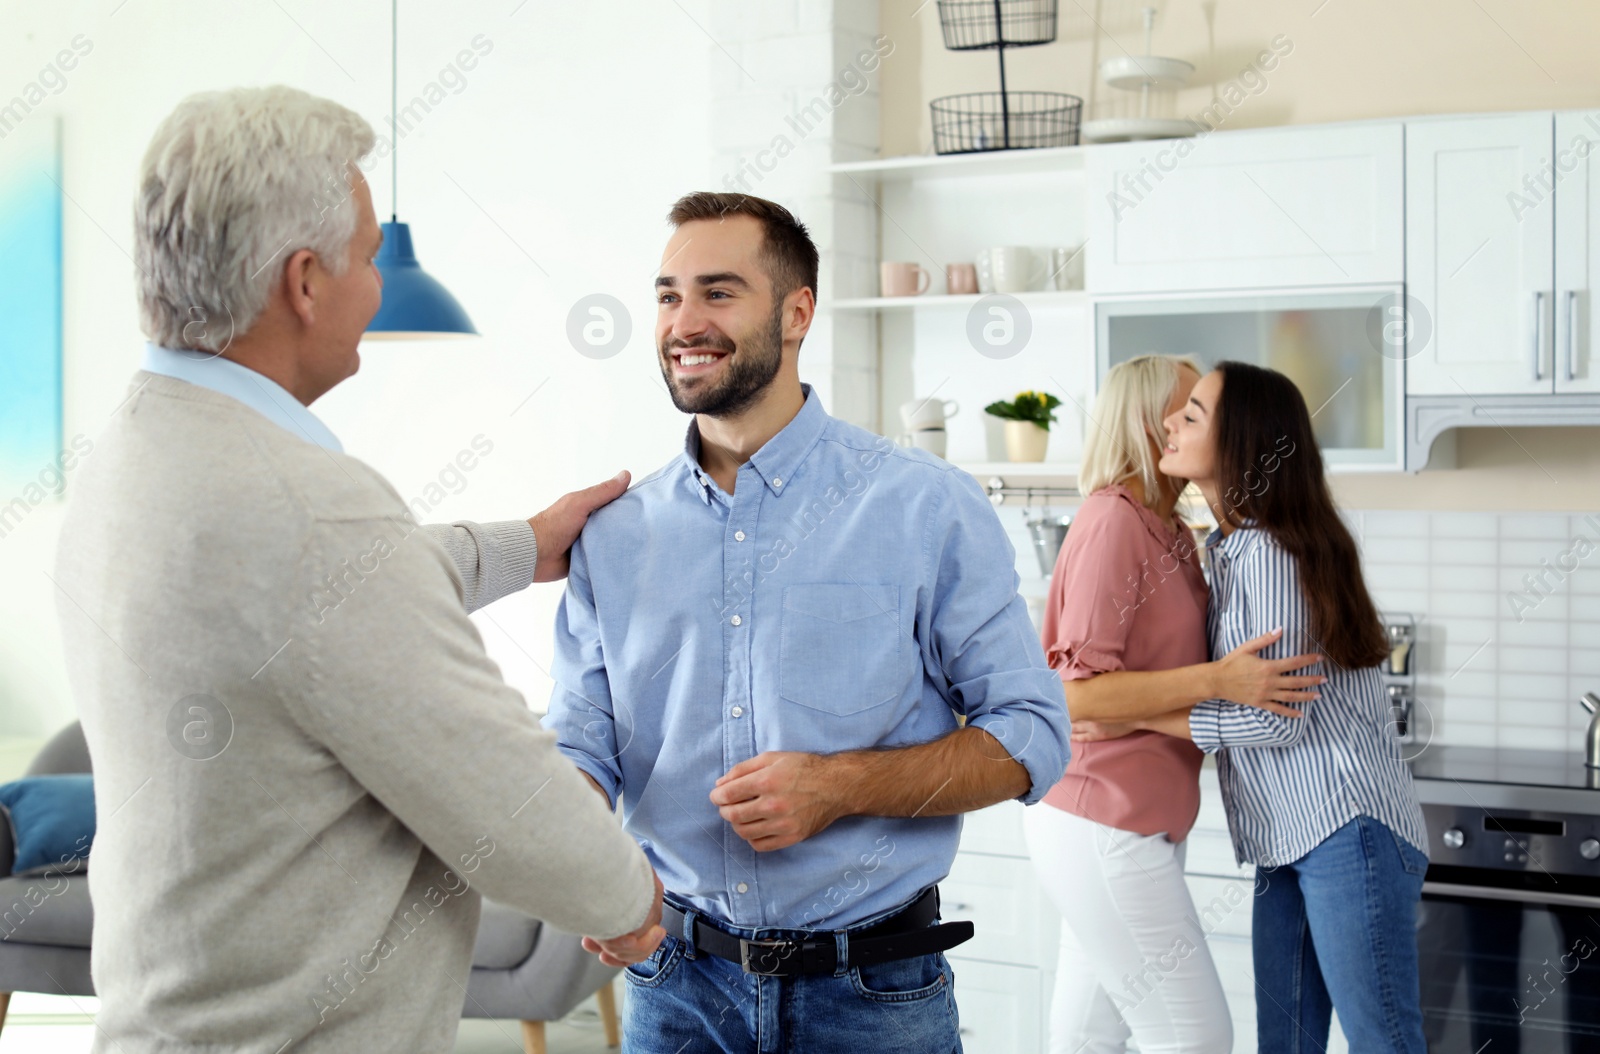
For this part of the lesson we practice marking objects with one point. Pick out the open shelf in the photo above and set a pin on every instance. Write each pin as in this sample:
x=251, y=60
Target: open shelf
x=1020, y=468
x=993, y=162
x=1009, y=481
x=1022, y=472
x=1040, y=298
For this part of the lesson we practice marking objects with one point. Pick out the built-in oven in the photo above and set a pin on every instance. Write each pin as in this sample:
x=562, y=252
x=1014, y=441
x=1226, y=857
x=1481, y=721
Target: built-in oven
x=1509, y=930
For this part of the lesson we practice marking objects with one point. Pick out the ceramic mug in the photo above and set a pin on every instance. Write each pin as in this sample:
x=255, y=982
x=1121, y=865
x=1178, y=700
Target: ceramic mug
x=902, y=279
x=930, y=439
x=1011, y=269
x=1066, y=268
x=960, y=279
x=921, y=414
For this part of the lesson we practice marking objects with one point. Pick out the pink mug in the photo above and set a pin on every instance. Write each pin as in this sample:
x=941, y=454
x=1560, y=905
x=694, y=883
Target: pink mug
x=960, y=279
x=902, y=279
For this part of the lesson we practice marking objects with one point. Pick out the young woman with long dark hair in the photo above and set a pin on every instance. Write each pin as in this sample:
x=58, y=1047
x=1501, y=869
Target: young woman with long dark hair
x=1321, y=804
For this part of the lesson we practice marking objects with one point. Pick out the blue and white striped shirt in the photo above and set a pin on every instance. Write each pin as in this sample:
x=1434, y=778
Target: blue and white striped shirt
x=1290, y=782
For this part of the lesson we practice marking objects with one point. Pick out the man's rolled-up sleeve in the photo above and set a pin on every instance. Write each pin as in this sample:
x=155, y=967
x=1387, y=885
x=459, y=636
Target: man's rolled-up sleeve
x=581, y=713
x=978, y=641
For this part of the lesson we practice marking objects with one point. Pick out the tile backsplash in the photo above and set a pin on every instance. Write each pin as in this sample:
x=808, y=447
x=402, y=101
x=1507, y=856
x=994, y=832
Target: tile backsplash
x=1507, y=608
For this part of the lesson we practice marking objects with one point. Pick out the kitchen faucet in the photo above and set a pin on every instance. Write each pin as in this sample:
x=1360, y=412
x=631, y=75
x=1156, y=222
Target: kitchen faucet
x=1591, y=740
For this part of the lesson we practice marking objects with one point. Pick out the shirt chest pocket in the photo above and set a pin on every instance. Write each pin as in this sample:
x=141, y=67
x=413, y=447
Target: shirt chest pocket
x=841, y=650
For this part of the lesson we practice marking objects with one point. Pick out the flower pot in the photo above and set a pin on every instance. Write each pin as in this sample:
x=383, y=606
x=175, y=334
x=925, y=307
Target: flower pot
x=1026, y=441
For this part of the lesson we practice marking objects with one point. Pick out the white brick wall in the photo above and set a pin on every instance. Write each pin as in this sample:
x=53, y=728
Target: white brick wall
x=790, y=96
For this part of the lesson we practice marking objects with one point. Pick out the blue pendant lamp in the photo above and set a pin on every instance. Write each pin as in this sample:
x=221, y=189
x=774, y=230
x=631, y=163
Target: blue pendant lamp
x=416, y=306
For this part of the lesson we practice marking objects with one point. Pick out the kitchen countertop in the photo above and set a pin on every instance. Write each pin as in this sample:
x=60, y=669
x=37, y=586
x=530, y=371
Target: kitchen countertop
x=1497, y=777
x=1532, y=768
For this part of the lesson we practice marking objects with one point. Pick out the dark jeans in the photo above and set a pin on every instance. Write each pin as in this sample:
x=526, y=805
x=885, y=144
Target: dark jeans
x=1336, y=930
x=680, y=1001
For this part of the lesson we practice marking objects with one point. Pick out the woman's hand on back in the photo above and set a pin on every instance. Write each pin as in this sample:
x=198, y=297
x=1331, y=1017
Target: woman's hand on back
x=1242, y=676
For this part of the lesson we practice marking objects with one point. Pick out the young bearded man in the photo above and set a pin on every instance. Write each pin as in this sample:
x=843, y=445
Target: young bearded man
x=764, y=649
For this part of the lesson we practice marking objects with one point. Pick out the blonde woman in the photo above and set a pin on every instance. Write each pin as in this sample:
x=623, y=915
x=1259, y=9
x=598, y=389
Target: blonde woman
x=1125, y=627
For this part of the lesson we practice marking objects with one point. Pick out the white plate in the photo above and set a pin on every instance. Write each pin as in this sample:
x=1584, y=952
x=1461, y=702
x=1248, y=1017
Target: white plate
x=1131, y=72
x=1125, y=129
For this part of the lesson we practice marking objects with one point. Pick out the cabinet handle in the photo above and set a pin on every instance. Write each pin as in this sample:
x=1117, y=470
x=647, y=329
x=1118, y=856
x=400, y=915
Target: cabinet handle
x=1538, y=335
x=1572, y=334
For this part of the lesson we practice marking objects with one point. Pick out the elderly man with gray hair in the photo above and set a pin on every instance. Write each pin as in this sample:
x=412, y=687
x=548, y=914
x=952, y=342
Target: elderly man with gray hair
x=301, y=801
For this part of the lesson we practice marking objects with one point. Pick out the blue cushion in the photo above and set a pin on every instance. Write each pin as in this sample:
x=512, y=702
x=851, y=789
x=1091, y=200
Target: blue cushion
x=52, y=822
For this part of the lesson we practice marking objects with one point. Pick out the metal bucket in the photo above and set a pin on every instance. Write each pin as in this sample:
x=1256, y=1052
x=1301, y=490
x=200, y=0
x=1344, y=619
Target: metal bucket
x=1048, y=534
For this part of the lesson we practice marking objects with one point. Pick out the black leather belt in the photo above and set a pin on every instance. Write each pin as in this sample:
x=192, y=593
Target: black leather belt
x=904, y=936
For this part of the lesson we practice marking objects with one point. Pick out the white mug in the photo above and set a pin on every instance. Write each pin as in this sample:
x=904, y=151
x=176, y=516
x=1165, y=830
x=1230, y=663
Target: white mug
x=1066, y=268
x=919, y=414
x=930, y=439
x=1011, y=269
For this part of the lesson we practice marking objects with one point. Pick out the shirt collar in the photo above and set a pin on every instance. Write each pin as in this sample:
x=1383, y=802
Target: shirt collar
x=778, y=457
x=260, y=393
x=1230, y=544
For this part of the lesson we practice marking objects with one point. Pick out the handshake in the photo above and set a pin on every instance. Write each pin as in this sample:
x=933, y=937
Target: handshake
x=632, y=947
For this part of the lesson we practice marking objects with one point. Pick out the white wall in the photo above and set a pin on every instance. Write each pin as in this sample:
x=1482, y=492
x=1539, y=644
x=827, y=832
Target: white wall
x=546, y=178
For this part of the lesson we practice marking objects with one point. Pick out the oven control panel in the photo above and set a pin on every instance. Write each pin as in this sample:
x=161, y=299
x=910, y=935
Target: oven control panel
x=1513, y=839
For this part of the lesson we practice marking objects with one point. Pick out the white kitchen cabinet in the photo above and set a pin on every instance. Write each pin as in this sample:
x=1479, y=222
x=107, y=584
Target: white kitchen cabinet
x=1577, y=223
x=1003, y=902
x=1005, y=973
x=1246, y=210
x=999, y=1007
x=1322, y=338
x=1480, y=241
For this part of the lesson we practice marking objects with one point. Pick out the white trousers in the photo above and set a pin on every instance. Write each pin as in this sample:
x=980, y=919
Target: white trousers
x=1133, y=958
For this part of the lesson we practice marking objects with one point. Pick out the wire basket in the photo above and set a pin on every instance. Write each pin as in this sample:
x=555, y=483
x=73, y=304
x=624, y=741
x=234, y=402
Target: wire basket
x=971, y=24
x=991, y=120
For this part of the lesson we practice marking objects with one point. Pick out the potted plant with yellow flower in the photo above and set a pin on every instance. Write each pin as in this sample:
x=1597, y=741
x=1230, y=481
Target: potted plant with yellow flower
x=1028, y=418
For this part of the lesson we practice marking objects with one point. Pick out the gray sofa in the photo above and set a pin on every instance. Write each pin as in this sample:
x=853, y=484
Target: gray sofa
x=522, y=969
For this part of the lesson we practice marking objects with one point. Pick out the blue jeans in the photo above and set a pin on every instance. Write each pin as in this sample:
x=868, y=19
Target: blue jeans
x=1336, y=930
x=680, y=1001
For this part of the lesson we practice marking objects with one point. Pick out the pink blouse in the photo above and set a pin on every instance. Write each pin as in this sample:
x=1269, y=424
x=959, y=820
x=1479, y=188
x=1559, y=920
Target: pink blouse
x=1127, y=594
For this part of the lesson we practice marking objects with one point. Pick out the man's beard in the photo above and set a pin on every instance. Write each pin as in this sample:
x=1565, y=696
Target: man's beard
x=751, y=368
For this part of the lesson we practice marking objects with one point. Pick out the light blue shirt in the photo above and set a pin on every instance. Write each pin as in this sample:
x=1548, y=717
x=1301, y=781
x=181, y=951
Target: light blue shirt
x=848, y=595
x=263, y=395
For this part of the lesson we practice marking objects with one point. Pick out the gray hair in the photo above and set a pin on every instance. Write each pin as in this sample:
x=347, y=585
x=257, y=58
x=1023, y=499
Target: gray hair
x=233, y=182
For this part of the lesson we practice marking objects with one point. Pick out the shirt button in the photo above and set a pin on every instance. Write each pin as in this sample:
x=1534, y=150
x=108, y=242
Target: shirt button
x=736, y=620
x=777, y=481
x=742, y=888
x=737, y=711
x=738, y=536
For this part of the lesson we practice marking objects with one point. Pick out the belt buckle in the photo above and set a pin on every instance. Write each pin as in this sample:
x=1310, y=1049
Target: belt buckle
x=766, y=958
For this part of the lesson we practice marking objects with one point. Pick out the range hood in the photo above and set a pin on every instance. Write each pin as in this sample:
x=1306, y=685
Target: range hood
x=1430, y=416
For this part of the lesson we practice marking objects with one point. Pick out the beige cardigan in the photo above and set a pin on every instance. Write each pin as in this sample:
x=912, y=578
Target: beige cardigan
x=315, y=886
